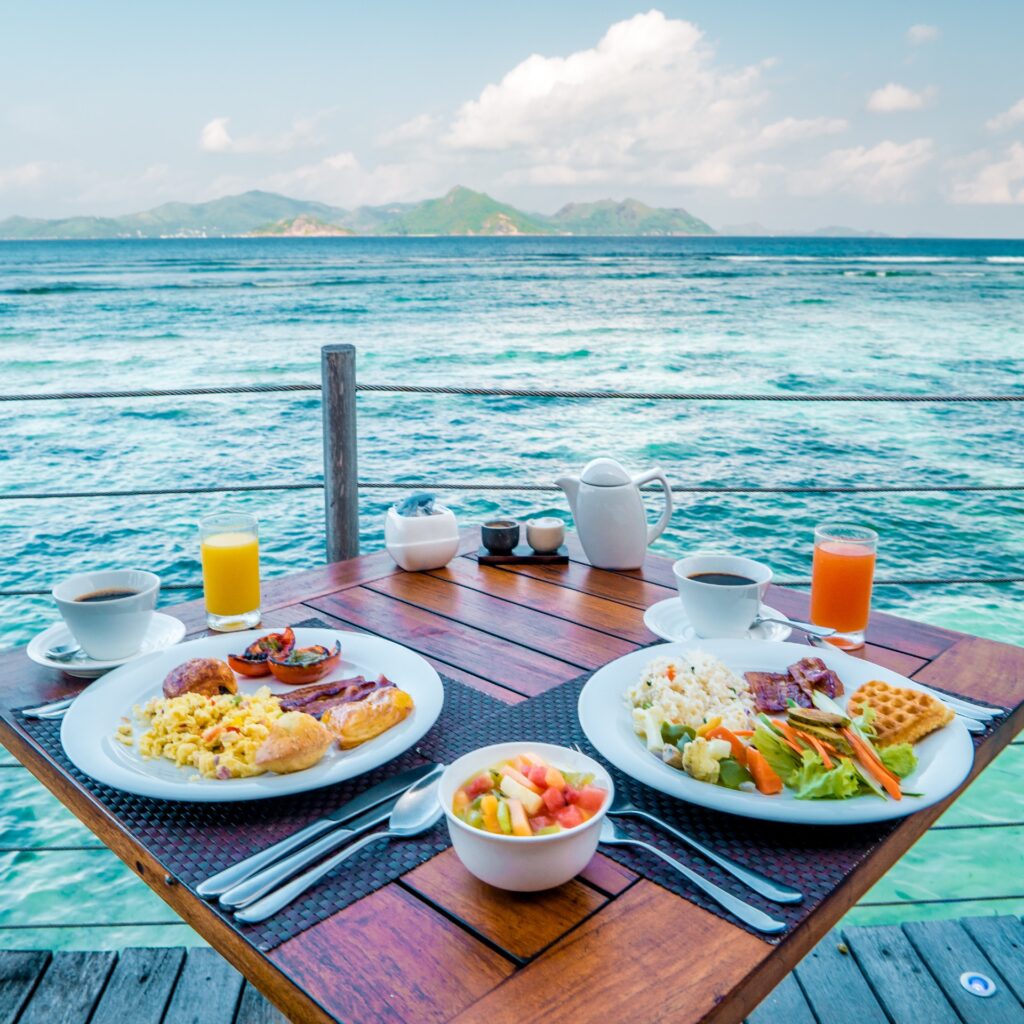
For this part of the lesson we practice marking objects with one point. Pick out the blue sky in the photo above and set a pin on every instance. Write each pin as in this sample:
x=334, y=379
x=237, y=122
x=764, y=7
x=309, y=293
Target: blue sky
x=906, y=118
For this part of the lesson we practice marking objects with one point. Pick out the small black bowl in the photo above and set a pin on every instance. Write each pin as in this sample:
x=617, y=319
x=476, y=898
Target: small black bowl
x=500, y=536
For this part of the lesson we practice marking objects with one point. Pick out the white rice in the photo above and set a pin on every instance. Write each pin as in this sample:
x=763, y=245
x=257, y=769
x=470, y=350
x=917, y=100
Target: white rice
x=690, y=691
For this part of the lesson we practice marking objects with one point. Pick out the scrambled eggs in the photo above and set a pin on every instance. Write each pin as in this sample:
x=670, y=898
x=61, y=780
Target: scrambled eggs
x=218, y=736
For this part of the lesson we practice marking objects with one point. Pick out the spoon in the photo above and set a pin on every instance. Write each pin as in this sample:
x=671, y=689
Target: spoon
x=417, y=810
x=776, y=891
x=612, y=835
x=64, y=652
x=805, y=627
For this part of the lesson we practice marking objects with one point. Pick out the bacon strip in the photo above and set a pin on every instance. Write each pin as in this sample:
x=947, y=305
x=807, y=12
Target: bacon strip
x=315, y=700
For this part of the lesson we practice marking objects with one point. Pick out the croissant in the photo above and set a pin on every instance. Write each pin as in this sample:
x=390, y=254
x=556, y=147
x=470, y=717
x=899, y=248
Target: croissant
x=362, y=720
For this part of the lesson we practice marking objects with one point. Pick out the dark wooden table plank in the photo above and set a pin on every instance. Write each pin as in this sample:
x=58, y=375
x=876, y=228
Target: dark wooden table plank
x=19, y=972
x=503, y=662
x=140, y=986
x=391, y=958
x=579, y=645
x=834, y=986
x=647, y=956
x=607, y=875
x=597, y=582
x=948, y=951
x=984, y=669
x=901, y=982
x=552, y=598
x=520, y=923
x=785, y=1004
x=70, y=989
x=1002, y=938
x=207, y=991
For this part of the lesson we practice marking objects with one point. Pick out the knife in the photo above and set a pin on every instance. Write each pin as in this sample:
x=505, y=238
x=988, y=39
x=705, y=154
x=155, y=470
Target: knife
x=219, y=883
x=270, y=878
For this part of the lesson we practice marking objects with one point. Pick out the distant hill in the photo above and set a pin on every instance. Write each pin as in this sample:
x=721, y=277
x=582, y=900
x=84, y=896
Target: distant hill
x=630, y=217
x=459, y=212
x=755, y=230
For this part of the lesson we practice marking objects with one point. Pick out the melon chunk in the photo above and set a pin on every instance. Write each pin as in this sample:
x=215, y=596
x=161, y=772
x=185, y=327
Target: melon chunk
x=531, y=801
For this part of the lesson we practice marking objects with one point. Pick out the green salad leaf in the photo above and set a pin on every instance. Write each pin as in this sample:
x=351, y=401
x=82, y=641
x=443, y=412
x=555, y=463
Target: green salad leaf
x=775, y=751
x=813, y=781
x=899, y=759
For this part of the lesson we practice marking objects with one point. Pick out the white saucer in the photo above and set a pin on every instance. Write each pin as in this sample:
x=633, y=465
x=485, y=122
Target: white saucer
x=668, y=620
x=164, y=631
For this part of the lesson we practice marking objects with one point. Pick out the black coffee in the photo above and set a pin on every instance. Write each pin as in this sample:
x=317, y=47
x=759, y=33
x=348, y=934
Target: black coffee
x=111, y=594
x=722, y=579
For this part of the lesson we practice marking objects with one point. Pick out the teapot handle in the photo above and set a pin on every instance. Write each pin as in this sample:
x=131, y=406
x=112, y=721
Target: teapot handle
x=655, y=531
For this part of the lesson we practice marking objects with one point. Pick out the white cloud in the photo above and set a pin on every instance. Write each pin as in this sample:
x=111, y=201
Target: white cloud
x=648, y=103
x=880, y=173
x=22, y=175
x=1008, y=118
x=894, y=98
x=215, y=137
x=999, y=182
x=793, y=129
x=343, y=180
x=413, y=130
x=917, y=35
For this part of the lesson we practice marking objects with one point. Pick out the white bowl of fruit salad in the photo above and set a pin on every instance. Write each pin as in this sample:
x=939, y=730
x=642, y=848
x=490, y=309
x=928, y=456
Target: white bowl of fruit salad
x=525, y=816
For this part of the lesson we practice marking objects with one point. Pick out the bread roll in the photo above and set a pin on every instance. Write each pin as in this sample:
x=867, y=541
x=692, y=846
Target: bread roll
x=296, y=741
x=208, y=676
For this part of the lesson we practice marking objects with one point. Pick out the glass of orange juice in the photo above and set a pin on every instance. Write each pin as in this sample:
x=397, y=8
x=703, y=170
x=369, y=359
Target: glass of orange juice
x=841, y=578
x=230, y=547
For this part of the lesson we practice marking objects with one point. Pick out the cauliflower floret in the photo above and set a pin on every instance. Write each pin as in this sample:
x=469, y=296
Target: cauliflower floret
x=701, y=757
x=647, y=723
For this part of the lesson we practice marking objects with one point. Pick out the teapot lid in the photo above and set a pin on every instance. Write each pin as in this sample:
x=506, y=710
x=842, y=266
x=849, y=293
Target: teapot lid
x=604, y=472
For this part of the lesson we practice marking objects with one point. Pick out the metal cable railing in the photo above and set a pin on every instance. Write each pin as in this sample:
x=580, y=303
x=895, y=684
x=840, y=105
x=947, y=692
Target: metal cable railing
x=435, y=389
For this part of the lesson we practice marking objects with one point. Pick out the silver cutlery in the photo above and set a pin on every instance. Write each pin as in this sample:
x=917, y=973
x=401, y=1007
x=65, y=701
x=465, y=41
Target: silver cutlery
x=55, y=709
x=612, y=835
x=777, y=891
x=417, y=810
x=805, y=627
x=392, y=787
x=64, y=652
x=280, y=871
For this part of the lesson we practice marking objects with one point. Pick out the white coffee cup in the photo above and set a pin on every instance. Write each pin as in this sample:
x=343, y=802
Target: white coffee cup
x=109, y=629
x=721, y=610
x=545, y=534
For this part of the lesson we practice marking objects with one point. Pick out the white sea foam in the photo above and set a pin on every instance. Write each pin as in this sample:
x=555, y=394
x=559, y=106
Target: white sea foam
x=1004, y=259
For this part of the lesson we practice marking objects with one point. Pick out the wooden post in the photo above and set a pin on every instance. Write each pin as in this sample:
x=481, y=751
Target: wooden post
x=341, y=495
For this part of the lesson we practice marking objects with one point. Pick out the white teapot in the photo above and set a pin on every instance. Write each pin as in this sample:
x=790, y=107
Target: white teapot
x=610, y=515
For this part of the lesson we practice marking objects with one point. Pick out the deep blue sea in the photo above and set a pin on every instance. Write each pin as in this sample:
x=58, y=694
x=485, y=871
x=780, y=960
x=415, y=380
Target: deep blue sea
x=712, y=315
x=683, y=314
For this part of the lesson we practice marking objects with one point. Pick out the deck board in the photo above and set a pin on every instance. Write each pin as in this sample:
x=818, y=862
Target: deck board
x=786, y=1004
x=140, y=986
x=69, y=989
x=207, y=992
x=19, y=973
x=1002, y=938
x=836, y=989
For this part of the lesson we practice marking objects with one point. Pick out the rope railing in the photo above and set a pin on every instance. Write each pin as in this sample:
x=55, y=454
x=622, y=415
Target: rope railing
x=430, y=485
x=431, y=389
x=907, y=581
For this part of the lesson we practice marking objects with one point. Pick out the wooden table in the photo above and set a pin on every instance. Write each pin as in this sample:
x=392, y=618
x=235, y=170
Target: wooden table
x=439, y=946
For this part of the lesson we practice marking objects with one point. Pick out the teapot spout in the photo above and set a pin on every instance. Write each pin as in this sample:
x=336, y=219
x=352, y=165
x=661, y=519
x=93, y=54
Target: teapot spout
x=571, y=486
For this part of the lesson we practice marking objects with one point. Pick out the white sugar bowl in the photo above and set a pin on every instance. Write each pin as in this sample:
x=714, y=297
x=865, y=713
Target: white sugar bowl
x=419, y=542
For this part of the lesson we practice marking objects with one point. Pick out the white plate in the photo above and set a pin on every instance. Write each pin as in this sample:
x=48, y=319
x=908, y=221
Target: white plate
x=88, y=728
x=944, y=757
x=164, y=631
x=668, y=619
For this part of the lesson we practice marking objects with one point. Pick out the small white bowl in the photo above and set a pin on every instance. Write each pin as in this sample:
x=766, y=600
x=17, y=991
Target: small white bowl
x=523, y=863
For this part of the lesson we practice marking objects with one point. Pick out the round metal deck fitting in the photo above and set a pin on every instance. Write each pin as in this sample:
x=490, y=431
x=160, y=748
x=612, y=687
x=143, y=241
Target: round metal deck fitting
x=978, y=984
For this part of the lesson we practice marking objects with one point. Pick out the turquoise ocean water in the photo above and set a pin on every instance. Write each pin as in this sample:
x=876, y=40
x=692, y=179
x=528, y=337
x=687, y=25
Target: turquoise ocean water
x=720, y=314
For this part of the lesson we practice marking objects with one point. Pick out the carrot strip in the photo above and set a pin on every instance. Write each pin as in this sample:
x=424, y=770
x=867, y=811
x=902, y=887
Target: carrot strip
x=739, y=749
x=887, y=781
x=789, y=736
x=765, y=777
x=819, y=748
x=743, y=732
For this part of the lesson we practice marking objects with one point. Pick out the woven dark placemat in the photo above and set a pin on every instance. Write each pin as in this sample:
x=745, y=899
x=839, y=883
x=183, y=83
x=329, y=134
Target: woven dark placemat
x=815, y=859
x=195, y=840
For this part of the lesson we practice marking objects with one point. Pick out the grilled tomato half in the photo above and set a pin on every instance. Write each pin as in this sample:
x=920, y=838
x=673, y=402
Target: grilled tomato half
x=255, y=660
x=304, y=664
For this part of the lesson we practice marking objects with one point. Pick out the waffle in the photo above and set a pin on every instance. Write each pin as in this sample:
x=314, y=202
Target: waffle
x=901, y=716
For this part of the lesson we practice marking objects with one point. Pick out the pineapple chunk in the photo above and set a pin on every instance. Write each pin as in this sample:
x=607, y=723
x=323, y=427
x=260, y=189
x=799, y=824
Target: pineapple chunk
x=531, y=801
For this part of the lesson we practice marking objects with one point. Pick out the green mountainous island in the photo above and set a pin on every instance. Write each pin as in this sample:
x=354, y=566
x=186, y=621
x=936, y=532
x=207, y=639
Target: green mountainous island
x=264, y=214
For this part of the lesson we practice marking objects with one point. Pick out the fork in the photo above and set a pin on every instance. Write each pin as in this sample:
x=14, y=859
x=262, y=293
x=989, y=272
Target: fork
x=55, y=709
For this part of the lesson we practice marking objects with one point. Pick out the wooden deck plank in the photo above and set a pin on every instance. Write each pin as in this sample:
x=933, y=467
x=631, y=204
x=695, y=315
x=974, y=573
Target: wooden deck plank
x=391, y=958
x=207, y=992
x=982, y=669
x=785, y=1004
x=948, y=951
x=254, y=1009
x=551, y=598
x=579, y=645
x=140, y=986
x=519, y=923
x=834, y=986
x=625, y=963
x=505, y=663
x=901, y=982
x=69, y=989
x=20, y=970
x=607, y=876
x=1002, y=939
